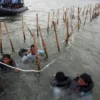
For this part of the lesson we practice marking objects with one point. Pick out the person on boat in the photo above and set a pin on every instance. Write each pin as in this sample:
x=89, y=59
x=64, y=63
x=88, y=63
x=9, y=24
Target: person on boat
x=30, y=54
x=20, y=3
x=7, y=3
x=1, y=2
x=14, y=1
x=6, y=59
x=60, y=80
x=15, y=4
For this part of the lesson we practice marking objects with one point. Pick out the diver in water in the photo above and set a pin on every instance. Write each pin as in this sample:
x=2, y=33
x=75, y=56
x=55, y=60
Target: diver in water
x=60, y=80
x=30, y=54
x=59, y=83
x=83, y=84
x=6, y=59
x=79, y=88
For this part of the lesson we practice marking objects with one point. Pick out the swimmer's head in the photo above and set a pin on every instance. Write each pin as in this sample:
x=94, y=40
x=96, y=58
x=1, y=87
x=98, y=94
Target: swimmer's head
x=60, y=76
x=84, y=80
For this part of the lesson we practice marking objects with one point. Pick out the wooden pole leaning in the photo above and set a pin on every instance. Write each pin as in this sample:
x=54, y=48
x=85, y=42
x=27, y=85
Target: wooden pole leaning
x=29, y=29
x=86, y=17
x=43, y=43
x=23, y=29
x=57, y=16
x=9, y=37
x=52, y=18
x=37, y=57
x=57, y=42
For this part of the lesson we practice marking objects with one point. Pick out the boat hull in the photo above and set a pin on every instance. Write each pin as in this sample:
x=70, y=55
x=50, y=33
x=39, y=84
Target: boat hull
x=11, y=12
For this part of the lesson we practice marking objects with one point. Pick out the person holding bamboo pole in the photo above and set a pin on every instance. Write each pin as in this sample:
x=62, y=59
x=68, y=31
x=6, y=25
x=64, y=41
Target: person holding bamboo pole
x=30, y=55
x=36, y=52
x=7, y=59
x=1, y=50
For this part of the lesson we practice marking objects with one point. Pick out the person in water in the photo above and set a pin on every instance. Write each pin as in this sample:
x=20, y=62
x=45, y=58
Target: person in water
x=79, y=88
x=30, y=54
x=6, y=59
x=83, y=84
x=60, y=80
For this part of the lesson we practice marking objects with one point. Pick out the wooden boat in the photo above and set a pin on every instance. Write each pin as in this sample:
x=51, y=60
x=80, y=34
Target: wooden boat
x=12, y=11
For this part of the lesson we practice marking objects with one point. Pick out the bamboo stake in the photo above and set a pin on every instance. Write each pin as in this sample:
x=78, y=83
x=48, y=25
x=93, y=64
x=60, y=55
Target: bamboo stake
x=86, y=16
x=73, y=30
x=48, y=22
x=98, y=8
x=90, y=15
x=37, y=24
x=63, y=15
x=43, y=43
x=79, y=16
x=84, y=11
x=52, y=18
x=1, y=50
x=23, y=29
x=56, y=36
x=29, y=29
x=9, y=37
x=71, y=21
x=37, y=57
x=78, y=19
x=95, y=8
x=58, y=17
x=67, y=32
x=73, y=17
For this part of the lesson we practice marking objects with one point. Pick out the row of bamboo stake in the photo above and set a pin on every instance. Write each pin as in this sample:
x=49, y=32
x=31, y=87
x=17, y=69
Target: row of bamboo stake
x=53, y=24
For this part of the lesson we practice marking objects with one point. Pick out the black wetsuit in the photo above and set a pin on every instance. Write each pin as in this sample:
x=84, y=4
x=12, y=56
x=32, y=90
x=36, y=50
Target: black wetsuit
x=65, y=83
x=84, y=89
x=5, y=68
